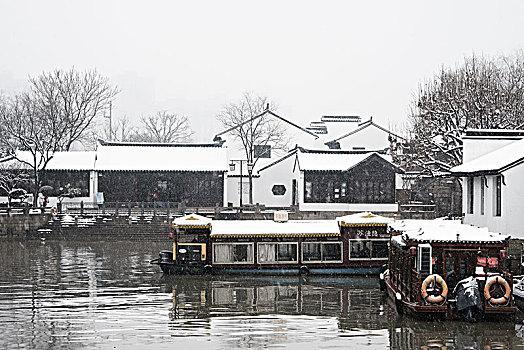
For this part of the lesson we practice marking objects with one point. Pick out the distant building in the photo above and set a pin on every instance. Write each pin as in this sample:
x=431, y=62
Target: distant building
x=367, y=136
x=492, y=176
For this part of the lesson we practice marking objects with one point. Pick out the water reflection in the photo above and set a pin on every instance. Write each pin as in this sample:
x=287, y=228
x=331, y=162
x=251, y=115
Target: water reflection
x=101, y=293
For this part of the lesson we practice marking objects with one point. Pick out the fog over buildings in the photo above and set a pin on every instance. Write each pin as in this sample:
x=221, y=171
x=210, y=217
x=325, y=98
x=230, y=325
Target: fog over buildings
x=311, y=58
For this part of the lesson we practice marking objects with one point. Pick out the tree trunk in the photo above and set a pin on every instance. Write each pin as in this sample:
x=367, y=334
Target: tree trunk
x=35, y=190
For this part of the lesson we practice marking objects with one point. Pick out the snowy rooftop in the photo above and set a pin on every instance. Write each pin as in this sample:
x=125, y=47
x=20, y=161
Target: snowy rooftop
x=495, y=161
x=364, y=219
x=225, y=228
x=192, y=220
x=334, y=161
x=159, y=158
x=59, y=161
x=439, y=230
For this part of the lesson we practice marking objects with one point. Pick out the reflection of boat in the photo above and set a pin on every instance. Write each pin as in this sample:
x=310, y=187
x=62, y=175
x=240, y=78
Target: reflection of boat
x=355, y=301
x=518, y=293
x=445, y=269
x=406, y=334
x=352, y=244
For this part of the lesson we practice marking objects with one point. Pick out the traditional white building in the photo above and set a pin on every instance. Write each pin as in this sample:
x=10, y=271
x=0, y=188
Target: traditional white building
x=330, y=180
x=493, y=186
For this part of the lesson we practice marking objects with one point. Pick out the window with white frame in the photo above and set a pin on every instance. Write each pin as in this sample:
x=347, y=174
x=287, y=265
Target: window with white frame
x=368, y=249
x=233, y=253
x=482, y=194
x=322, y=251
x=270, y=253
x=471, y=190
x=498, y=196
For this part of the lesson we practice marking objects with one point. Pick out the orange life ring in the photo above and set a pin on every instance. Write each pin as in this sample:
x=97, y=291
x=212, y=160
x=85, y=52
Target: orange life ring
x=434, y=299
x=497, y=280
x=54, y=211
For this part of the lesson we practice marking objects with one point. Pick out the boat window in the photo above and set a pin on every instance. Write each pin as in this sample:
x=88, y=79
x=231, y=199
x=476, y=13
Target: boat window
x=277, y=252
x=368, y=249
x=227, y=253
x=379, y=249
x=424, y=259
x=322, y=251
x=311, y=252
x=331, y=251
x=287, y=252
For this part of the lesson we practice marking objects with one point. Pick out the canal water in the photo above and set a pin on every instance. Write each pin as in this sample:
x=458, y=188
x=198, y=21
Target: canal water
x=102, y=293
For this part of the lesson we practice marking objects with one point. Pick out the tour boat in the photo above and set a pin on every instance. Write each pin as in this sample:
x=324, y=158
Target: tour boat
x=351, y=244
x=444, y=269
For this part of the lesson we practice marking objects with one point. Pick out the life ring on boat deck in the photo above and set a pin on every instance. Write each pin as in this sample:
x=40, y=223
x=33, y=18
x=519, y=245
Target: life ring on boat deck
x=54, y=211
x=434, y=299
x=497, y=280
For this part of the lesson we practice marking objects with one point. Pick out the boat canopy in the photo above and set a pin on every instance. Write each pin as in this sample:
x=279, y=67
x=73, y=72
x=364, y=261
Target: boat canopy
x=192, y=221
x=443, y=231
x=269, y=228
x=364, y=219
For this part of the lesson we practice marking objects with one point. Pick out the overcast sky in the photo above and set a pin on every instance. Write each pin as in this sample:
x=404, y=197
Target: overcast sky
x=318, y=58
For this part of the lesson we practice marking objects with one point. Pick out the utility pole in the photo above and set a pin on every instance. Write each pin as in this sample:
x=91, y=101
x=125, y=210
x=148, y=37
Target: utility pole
x=110, y=124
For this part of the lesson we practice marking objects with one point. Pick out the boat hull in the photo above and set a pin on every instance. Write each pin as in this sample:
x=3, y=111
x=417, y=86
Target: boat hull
x=446, y=311
x=176, y=269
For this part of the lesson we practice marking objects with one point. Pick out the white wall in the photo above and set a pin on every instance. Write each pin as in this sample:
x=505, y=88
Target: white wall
x=278, y=174
x=511, y=221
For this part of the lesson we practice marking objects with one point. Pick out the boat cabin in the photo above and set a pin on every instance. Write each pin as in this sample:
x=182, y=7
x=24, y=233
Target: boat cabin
x=441, y=267
x=352, y=244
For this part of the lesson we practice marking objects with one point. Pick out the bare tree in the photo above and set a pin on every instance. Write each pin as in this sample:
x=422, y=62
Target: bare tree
x=483, y=93
x=28, y=137
x=163, y=127
x=70, y=101
x=252, y=123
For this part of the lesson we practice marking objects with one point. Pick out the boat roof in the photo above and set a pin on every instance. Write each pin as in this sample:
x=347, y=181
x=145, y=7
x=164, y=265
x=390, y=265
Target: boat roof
x=269, y=228
x=365, y=218
x=443, y=231
x=192, y=221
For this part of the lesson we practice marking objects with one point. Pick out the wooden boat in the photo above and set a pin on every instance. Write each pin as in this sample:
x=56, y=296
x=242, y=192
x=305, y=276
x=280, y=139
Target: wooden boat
x=443, y=269
x=352, y=244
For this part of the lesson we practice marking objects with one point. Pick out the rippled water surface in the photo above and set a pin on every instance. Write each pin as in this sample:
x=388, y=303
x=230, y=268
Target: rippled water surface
x=102, y=293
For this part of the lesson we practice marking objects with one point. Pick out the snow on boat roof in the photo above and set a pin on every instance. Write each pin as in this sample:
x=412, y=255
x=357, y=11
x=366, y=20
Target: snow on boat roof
x=440, y=230
x=364, y=219
x=335, y=161
x=161, y=158
x=268, y=228
x=495, y=161
x=192, y=221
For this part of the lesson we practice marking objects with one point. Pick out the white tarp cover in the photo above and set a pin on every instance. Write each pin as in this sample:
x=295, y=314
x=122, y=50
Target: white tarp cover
x=495, y=160
x=192, y=220
x=440, y=230
x=261, y=227
x=364, y=218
